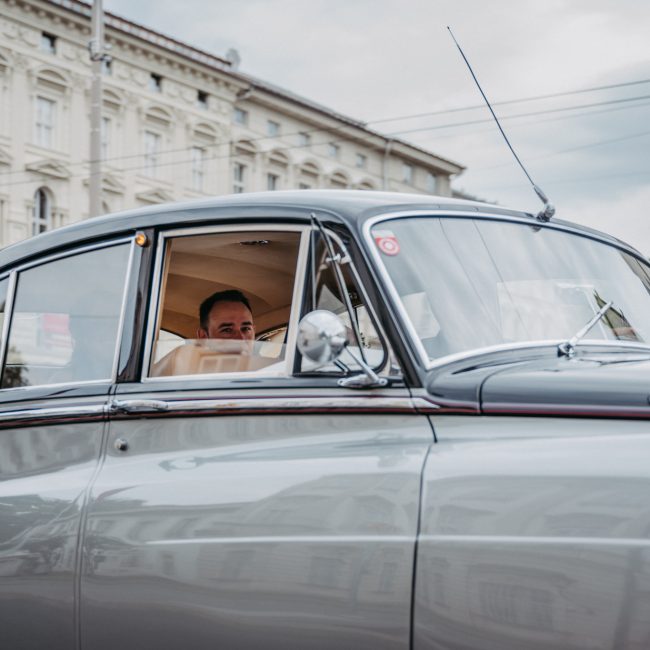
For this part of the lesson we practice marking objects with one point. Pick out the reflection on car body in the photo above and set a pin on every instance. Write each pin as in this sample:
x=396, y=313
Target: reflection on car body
x=424, y=447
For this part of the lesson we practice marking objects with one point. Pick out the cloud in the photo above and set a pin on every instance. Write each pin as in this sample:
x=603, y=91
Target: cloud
x=380, y=58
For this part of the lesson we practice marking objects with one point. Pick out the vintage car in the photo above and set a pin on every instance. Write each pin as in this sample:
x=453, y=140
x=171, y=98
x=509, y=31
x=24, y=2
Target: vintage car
x=434, y=435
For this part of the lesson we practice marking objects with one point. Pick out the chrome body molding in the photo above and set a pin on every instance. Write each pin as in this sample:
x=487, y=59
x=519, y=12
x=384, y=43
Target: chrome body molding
x=267, y=405
x=52, y=415
x=220, y=406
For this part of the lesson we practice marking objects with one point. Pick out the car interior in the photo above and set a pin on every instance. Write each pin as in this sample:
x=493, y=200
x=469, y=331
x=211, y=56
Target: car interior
x=260, y=264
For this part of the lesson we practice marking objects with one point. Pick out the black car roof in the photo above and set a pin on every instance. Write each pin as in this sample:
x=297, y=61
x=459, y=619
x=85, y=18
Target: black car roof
x=352, y=207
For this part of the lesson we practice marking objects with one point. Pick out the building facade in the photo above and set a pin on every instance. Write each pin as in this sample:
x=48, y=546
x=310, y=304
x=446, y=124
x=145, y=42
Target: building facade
x=177, y=123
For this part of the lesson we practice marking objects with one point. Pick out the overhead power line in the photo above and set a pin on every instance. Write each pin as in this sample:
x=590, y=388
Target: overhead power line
x=341, y=137
x=517, y=115
x=507, y=102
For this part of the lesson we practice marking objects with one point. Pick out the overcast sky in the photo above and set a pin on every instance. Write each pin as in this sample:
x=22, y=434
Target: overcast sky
x=379, y=59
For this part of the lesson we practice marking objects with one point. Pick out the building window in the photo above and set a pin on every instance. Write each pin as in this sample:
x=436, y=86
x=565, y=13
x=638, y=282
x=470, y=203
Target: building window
x=107, y=67
x=240, y=116
x=48, y=43
x=239, y=178
x=333, y=150
x=272, y=181
x=151, y=153
x=105, y=137
x=155, y=83
x=304, y=139
x=407, y=174
x=42, y=212
x=361, y=161
x=304, y=186
x=432, y=183
x=198, y=168
x=272, y=128
x=45, y=117
x=202, y=99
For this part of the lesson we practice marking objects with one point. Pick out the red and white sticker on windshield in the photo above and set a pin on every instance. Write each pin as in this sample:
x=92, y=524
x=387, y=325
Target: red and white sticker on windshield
x=386, y=242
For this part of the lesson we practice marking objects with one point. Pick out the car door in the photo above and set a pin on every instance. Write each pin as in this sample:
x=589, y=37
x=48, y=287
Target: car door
x=62, y=317
x=267, y=508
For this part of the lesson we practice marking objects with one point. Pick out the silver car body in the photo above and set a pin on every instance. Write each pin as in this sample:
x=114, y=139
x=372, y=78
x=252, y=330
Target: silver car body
x=291, y=512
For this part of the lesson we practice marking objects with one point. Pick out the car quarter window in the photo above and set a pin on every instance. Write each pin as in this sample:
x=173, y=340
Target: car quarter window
x=327, y=295
x=65, y=320
x=227, y=301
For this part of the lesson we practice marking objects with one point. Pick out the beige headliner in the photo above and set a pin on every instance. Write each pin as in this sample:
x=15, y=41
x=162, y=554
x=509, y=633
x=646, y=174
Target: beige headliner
x=200, y=265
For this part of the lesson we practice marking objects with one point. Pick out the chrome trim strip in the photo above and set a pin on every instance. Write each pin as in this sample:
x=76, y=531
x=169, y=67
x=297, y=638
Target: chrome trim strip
x=71, y=252
x=64, y=413
x=8, y=314
x=66, y=384
x=535, y=540
x=414, y=339
x=286, y=539
x=296, y=299
x=120, y=325
x=286, y=404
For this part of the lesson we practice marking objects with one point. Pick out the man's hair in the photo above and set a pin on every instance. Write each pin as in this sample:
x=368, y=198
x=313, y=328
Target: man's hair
x=230, y=295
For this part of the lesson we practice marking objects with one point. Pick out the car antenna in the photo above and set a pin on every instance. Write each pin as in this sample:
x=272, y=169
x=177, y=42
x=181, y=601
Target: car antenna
x=549, y=208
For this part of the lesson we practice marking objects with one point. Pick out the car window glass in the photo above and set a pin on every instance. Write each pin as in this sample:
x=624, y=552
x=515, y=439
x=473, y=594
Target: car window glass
x=327, y=296
x=489, y=282
x=65, y=319
x=245, y=282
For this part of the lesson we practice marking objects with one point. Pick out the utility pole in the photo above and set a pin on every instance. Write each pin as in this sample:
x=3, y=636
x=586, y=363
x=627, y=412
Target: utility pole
x=97, y=56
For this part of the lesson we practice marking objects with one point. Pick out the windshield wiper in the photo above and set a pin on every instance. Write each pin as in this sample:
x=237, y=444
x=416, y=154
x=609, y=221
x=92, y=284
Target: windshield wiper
x=568, y=348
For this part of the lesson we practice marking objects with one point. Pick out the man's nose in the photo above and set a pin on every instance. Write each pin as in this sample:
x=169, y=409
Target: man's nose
x=239, y=335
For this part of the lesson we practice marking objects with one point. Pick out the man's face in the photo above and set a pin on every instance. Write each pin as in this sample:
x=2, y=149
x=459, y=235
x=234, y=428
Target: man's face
x=229, y=320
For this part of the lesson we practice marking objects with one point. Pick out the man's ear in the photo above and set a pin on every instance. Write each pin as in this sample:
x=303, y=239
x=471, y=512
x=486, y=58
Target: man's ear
x=201, y=333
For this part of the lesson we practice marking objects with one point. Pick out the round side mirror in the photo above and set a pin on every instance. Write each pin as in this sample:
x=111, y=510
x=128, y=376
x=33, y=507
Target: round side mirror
x=321, y=336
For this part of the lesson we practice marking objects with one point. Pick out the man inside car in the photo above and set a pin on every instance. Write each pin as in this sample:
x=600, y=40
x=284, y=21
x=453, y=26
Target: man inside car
x=226, y=315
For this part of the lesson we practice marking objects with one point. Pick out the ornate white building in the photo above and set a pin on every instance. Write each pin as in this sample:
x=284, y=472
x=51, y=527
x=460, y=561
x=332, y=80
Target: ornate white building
x=177, y=123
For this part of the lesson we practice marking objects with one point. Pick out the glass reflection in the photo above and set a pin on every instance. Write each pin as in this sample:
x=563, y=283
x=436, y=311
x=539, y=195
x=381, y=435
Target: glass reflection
x=470, y=283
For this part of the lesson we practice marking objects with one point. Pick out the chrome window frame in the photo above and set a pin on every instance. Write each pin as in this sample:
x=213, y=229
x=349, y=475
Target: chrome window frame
x=11, y=295
x=405, y=321
x=154, y=314
x=346, y=259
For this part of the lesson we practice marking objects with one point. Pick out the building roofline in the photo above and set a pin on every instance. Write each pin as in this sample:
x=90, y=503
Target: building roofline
x=197, y=55
x=151, y=36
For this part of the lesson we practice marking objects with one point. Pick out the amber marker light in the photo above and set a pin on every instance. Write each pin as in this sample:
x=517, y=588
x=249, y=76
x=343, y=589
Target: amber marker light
x=141, y=239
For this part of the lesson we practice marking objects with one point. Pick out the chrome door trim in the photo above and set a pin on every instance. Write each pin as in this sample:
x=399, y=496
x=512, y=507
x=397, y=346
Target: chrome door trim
x=286, y=404
x=71, y=252
x=405, y=321
x=120, y=325
x=154, y=302
x=52, y=415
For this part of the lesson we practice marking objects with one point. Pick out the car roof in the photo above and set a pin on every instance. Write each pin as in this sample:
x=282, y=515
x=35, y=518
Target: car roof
x=352, y=207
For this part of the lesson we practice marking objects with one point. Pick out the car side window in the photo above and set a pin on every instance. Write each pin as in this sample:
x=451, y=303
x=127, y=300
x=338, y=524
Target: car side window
x=65, y=319
x=225, y=302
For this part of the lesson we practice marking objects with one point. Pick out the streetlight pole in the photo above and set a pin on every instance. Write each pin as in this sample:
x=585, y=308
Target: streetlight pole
x=97, y=56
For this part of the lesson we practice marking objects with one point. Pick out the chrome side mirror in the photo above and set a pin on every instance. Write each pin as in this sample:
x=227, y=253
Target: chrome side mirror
x=321, y=337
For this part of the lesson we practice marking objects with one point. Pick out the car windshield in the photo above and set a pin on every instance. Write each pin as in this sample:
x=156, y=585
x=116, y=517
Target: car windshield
x=472, y=283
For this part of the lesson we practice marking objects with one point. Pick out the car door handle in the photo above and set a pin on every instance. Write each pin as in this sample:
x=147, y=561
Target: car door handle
x=138, y=406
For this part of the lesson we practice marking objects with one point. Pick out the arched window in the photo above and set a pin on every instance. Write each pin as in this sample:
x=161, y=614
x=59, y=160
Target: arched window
x=42, y=211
